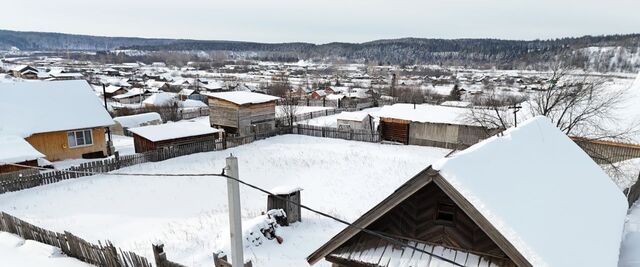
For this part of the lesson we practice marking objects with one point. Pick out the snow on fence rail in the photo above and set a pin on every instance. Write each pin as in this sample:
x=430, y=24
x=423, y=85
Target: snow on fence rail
x=106, y=255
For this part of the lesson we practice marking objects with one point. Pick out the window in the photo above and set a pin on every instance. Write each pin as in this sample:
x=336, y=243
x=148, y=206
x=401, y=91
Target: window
x=446, y=213
x=79, y=138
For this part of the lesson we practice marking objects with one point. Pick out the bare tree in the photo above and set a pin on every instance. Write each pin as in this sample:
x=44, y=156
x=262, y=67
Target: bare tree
x=289, y=109
x=583, y=108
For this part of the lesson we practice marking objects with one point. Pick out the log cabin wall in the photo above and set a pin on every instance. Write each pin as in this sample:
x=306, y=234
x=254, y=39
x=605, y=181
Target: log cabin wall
x=430, y=216
x=240, y=119
x=12, y=168
x=55, y=146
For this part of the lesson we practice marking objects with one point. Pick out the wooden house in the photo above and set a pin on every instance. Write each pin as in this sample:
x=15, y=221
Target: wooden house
x=242, y=113
x=61, y=119
x=113, y=90
x=508, y=201
x=175, y=134
x=24, y=72
x=318, y=94
x=15, y=150
x=430, y=125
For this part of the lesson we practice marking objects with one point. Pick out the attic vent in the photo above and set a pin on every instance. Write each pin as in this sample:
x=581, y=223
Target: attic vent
x=446, y=213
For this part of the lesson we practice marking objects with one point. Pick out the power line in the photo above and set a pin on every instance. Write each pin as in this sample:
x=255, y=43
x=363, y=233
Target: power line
x=222, y=174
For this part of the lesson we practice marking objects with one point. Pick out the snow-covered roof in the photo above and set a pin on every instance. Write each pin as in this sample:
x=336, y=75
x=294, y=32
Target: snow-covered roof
x=285, y=189
x=173, y=130
x=27, y=108
x=461, y=104
x=543, y=193
x=161, y=99
x=112, y=89
x=186, y=92
x=352, y=116
x=15, y=149
x=190, y=103
x=242, y=98
x=131, y=93
x=138, y=119
x=425, y=113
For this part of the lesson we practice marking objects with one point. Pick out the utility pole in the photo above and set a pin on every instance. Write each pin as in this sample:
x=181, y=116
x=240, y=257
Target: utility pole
x=515, y=108
x=235, y=220
x=109, y=142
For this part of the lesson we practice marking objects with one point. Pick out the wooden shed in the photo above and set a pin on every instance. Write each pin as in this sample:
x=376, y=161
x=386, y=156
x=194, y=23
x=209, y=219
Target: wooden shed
x=242, y=113
x=291, y=207
x=354, y=120
x=430, y=125
x=451, y=213
x=15, y=150
x=153, y=137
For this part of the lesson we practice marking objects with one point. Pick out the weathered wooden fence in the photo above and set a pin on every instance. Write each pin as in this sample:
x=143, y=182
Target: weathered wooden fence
x=330, y=132
x=607, y=151
x=16, y=181
x=106, y=255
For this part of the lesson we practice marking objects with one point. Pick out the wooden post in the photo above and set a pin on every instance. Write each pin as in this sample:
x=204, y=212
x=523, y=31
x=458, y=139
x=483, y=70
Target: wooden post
x=235, y=220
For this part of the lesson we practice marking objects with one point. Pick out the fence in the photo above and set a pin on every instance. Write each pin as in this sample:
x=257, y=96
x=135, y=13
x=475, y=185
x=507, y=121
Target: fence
x=16, y=181
x=330, y=132
x=106, y=255
x=606, y=151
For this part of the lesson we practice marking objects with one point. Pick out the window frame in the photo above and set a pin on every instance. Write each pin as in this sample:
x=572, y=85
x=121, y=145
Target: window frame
x=85, y=138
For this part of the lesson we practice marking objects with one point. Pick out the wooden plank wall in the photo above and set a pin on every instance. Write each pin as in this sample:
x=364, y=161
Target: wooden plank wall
x=330, y=132
x=106, y=255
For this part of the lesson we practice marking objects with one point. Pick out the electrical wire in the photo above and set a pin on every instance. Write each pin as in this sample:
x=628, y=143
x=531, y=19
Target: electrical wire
x=222, y=174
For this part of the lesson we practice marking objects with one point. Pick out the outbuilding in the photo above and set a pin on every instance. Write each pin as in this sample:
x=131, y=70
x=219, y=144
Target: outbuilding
x=15, y=150
x=124, y=123
x=357, y=120
x=287, y=198
x=242, y=113
x=153, y=137
x=509, y=200
x=430, y=125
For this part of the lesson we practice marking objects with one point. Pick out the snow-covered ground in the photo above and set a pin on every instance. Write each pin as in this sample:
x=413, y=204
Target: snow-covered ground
x=17, y=252
x=630, y=252
x=189, y=214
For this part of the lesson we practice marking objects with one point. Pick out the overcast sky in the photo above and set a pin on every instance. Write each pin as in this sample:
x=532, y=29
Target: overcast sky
x=322, y=21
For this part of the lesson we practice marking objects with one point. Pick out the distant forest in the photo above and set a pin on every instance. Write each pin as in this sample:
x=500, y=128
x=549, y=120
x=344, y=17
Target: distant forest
x=596, y=53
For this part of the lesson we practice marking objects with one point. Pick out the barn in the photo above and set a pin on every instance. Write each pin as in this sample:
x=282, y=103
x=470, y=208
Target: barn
x=430, y=125
x=153, y=137
x=485, y=206
x=242, y=113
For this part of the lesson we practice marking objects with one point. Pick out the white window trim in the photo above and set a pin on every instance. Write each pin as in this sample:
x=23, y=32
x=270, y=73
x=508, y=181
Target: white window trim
x=74, y=135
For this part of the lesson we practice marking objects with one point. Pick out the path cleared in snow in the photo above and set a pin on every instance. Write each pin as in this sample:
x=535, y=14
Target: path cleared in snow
x=189, y=214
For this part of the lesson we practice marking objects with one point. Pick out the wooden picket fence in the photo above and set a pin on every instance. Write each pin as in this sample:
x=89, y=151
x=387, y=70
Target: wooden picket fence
x=105, y=255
